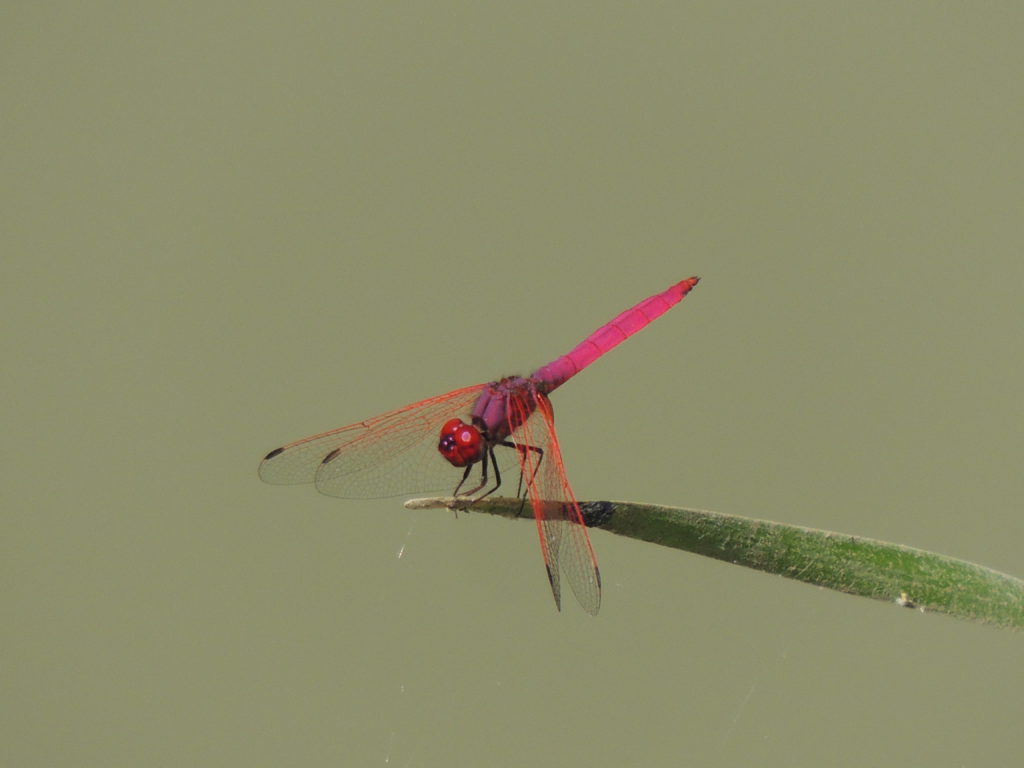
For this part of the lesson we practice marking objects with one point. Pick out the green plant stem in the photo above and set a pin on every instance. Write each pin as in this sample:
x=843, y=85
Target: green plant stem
x=855, y=565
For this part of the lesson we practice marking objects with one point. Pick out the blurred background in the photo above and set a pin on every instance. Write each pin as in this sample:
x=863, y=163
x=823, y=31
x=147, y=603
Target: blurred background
x=228, y=225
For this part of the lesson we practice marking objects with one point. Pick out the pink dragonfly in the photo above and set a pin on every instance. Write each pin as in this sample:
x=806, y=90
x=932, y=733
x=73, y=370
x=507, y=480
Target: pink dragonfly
x=421, y=447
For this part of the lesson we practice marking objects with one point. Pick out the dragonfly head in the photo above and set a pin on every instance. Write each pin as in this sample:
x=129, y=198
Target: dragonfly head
x=461, y=443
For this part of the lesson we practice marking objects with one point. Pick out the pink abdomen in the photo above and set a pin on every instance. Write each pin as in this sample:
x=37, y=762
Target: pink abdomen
x=559, y=371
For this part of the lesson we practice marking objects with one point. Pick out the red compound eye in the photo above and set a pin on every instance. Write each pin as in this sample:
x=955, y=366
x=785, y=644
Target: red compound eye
x=460, y=443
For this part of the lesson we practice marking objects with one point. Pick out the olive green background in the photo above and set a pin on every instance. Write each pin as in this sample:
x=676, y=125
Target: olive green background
x=228, y=225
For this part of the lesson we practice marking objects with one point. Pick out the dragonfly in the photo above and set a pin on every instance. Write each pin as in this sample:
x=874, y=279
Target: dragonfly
x=461, y=440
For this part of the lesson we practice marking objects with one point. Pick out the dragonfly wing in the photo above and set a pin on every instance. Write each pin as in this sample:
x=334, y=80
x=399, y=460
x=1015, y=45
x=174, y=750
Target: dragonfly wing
x=389, y=455
x=563, y=535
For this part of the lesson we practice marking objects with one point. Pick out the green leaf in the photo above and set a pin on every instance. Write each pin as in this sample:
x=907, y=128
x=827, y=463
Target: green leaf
x=881, y=570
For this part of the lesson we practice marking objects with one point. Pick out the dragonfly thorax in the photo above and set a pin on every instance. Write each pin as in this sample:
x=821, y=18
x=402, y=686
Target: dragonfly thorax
x=503, y=406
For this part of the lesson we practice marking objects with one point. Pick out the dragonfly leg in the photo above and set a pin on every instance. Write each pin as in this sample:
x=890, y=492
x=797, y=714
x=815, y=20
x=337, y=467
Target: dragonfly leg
x=489, y=457
x=497, y=474
x=488, y=454
x=519, y=488
x=464, y=476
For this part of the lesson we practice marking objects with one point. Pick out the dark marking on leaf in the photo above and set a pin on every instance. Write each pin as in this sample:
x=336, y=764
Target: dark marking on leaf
x=596, y=513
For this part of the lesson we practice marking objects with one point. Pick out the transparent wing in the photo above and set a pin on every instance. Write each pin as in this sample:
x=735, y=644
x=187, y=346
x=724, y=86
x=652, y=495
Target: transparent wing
x=389, y=455
x=563, y=536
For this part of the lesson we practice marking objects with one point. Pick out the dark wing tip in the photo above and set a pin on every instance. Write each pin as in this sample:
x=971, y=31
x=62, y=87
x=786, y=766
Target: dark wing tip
x=273, y=453
x=331, y=456
x=555, y=591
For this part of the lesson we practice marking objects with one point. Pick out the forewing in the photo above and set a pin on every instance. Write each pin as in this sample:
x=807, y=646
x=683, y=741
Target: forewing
x=389, y=455
x=563, y=536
